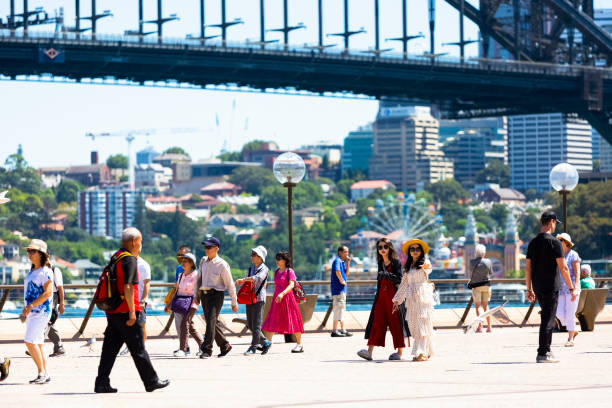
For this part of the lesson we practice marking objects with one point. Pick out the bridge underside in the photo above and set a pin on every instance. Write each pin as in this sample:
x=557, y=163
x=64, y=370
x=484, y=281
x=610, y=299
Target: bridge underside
x=460, y=90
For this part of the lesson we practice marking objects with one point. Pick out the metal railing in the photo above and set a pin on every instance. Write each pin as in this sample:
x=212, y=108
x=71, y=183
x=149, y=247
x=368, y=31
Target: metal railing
x=8, y=288
x=168, y=43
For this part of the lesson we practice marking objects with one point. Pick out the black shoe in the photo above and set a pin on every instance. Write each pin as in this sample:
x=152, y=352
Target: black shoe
x=336, y=333
x=266, y=347
x=57, y=353
x=205, y=355
x=346, y=334
x=251, y=351
x=104, y=389
x=547, y=358
x=224, y=352
x=4, y=369
x=159, y=384
x=28, y=353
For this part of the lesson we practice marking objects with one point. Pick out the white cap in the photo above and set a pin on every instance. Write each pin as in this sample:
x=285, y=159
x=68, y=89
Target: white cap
x=261, y=251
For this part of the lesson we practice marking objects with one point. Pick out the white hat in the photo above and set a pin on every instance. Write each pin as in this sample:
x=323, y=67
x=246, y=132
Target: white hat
x=565, y=237
x=38, y=245
x=261, y=251
x=191, y=256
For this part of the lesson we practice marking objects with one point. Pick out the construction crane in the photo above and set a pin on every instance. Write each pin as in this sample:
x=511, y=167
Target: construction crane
x=130, y=135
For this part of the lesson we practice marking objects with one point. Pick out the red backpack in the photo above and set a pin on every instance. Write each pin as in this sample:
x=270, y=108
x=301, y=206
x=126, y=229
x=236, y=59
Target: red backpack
x=247, y=295
x=107, y=296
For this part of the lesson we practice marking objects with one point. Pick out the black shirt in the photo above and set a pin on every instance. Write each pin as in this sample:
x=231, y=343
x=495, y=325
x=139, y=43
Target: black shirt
x=543, y=252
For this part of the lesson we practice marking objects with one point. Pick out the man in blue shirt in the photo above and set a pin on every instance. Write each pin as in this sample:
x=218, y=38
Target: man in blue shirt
x=339, y=272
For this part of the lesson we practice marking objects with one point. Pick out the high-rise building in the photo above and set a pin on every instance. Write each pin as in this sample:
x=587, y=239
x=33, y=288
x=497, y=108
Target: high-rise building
x=538, y=142
x=357, y=150
x=146, y=155
x=406, y=147
x=473, y=143
x=605, y=155
x=109, y=210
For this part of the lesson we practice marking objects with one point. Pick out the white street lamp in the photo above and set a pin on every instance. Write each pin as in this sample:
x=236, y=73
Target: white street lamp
x=564, y=178
x=289, y=169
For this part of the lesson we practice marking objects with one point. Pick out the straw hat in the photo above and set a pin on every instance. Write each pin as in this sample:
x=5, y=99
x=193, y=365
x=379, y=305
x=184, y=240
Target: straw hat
x=38, y=245
x=406, y=246
x=565, y=237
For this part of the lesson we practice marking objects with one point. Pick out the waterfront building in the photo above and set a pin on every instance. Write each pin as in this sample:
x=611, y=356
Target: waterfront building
x=107, y=211
x=538, y=142
x=406, y=148
x=357, y=150
x=474, y=143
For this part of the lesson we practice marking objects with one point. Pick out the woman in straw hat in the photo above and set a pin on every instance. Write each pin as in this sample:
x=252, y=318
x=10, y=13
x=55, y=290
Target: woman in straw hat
x=382, y=315
x=417, y=293
x=566, y=309
x=38, y=288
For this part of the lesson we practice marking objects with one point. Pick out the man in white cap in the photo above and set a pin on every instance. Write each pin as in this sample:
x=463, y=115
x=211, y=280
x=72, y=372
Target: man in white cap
x=258, y=275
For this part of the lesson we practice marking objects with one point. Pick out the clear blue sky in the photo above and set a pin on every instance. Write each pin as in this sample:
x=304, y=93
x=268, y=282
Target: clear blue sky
x=50, y=120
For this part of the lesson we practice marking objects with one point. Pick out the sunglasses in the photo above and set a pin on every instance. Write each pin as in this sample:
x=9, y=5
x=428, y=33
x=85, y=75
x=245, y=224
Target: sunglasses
x=208, y=246
x=415, y=249
x=384, y=246
x=31, y=251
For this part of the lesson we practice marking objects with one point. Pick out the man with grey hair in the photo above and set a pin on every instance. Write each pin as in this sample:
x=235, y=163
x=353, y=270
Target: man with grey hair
x=480, y=282
x=121, y=327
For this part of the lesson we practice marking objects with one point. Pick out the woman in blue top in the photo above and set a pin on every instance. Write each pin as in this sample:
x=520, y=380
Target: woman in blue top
x=37, y=289
x=566, y=309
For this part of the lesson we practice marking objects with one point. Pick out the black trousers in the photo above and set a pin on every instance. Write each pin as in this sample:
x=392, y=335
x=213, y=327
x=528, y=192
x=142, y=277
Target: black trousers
x=116, y=334
x=212, y=302
x=254, y=315
x=548, y=304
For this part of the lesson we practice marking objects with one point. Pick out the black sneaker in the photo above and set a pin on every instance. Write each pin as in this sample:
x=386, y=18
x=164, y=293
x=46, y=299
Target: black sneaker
x=266, y=347
x=548, y=358
x=336, y=333
x=205, y=355
x=57, y=353
x=104, y=389
x=251, y=351
x=346, y=334
x=4, y=369
x=226, y=351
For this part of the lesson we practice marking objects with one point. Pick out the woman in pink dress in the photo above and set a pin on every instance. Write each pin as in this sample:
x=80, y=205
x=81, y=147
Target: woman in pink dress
x=284, y=315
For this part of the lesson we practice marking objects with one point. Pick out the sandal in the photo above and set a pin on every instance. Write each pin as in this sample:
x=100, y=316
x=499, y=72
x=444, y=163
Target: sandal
x=569, y=344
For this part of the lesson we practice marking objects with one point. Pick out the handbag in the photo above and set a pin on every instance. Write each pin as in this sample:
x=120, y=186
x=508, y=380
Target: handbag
x=169, y=296
x=247, y=295
x=298, y=291
x=181, y=303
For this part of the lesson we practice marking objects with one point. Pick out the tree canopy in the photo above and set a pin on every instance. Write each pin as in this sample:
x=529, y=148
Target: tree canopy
x=117, y=161
x=176, y=150
x=447, y=191
x=495, y=172
x=253, y=180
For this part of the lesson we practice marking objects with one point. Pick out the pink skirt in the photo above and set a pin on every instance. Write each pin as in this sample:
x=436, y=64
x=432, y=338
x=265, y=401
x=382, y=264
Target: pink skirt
x=284, y=317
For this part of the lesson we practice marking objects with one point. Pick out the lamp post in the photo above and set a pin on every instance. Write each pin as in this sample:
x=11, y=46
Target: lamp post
x=289, y=169
x=564, y=178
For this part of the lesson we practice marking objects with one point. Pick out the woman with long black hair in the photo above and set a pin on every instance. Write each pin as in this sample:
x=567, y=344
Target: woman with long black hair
x=382, y=315
x=416, y=294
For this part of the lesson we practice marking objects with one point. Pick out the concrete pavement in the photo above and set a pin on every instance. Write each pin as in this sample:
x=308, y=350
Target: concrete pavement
x=493, y=370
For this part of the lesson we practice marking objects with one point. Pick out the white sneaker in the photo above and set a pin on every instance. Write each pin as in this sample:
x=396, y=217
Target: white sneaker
x=297, y=349
x=179, y=353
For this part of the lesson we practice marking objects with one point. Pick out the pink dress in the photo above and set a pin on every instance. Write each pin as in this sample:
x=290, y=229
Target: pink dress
x=283, y=317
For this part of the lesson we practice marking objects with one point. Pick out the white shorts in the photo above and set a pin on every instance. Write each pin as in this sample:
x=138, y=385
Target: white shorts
x=339, y=306
x=36, y=324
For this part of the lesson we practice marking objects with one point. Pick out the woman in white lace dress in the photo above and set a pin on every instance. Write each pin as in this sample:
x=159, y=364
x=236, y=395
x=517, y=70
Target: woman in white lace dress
x=417, y=292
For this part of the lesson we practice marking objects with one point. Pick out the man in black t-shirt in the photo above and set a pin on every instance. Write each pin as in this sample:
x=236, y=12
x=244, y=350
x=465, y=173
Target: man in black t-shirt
x=121, y=327
x=542, y=267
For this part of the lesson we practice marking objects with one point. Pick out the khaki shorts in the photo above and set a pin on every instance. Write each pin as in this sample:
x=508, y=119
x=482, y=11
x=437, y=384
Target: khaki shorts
x=481, y=294
x=339, y=306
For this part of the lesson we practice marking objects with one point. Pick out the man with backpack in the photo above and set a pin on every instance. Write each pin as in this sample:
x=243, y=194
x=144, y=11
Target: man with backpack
x=119, y=285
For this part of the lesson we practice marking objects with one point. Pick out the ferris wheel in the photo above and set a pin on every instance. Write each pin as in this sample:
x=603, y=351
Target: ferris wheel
x=401, y=218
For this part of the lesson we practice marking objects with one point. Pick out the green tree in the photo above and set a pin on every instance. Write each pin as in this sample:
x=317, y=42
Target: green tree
x=222, y=208
x=495, y=172
x=230, y=156
x=499, y=212
x=254, y=145
x=176, y=150
x=447, y=191
x=531, y=194
x=246, y=209
x=344, y=187
x=454, y=216
x=20, y=175
x=67, y=191
x=253, y=180
x=117, y=161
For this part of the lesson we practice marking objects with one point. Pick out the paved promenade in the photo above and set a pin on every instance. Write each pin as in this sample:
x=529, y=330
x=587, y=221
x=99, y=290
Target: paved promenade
x=491, y=370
